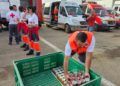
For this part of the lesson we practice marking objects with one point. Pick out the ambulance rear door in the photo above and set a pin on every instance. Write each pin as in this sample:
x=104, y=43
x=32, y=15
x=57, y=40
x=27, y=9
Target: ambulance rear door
x=47, y=13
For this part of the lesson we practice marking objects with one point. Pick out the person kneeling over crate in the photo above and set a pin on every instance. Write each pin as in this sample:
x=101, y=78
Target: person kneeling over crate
x=82, y=43
x=33, y=33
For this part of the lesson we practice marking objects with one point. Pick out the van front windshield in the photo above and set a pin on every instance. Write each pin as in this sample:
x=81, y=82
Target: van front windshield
x=101, y=12
x=73, y=11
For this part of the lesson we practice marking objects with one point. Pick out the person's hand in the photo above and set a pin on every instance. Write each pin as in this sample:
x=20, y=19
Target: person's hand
x=30, y=26
x=87, y=77
x=66, y=76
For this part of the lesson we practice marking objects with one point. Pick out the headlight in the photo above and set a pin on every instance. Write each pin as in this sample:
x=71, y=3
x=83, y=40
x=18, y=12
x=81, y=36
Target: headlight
x=105, y=22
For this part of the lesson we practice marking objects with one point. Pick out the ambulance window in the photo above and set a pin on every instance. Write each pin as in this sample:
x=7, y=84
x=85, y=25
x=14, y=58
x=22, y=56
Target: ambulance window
x=62, y=11
x=116, y=8
x=46, y=10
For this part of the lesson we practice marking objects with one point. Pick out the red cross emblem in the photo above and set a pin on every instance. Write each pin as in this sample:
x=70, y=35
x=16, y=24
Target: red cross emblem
x=12, y=15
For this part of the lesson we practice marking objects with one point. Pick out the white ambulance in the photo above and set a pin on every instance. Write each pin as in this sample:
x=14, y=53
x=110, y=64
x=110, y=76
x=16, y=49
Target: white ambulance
x=70, y=16
x=116, y=6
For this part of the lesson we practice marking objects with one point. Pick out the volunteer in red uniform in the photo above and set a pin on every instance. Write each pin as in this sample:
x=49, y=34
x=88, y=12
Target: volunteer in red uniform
x=23, y=28
x=33, y=32
x=91, y=21
x=13, y=19
x=56, y=14
x=82, y=43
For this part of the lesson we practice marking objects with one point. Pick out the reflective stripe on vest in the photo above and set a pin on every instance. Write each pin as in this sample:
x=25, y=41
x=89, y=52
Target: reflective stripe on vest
x=73, y=44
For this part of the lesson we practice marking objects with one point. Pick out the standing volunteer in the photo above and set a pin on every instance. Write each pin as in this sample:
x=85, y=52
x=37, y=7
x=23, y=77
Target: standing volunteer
x=23, y=28
x=91, y=21
x=56, y=13
x=82, y=43
x=13, y=19
x=33, y=32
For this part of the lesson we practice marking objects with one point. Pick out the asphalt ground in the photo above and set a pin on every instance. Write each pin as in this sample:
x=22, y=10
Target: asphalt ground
x=105, y=62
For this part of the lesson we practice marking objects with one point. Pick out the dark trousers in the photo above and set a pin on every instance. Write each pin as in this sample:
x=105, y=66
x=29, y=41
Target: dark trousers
x=13, y=31
x=34, y=37
x=81, y=56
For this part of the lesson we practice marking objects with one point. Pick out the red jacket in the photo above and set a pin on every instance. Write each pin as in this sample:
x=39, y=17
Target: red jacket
x=23, y=27
x=91, y=20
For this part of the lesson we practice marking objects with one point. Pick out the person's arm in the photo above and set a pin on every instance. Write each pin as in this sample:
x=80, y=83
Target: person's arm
x=88, y=61
x=66, y=59
x=18, y=17
x=89, y=17
x=7, y=16
x=89, y=55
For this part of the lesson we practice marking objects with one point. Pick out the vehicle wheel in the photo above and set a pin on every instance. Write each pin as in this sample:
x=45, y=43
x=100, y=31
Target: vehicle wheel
x=67, y=28
x=47, y=25
x=117, y=26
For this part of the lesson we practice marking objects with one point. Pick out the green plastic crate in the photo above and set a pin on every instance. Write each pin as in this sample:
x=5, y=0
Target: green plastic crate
x=37, y=71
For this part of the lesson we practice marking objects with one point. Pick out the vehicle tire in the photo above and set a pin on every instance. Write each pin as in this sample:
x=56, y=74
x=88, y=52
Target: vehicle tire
x=67, y=28
x=47, y=25
x=117, y=26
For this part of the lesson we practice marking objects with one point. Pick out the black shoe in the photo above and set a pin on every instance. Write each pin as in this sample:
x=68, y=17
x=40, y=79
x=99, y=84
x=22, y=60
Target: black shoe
x=10, y=40
x=10, y=43
x=38, y=54
x=26, y=48
x=0, y=30
x=31, y=52
x=23, y=46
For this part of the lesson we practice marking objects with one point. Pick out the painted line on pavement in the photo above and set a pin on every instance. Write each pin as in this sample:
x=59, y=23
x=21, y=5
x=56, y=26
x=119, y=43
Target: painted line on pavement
x=104, y=81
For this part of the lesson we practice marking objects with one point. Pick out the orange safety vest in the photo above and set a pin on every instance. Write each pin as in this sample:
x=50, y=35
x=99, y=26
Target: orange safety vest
x=73, y=44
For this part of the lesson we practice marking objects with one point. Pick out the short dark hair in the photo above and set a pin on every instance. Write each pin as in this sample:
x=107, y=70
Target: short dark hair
x=14, y=6
x=82, y=36
x=11, y=7
x=21, y=8
x=32, y=8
